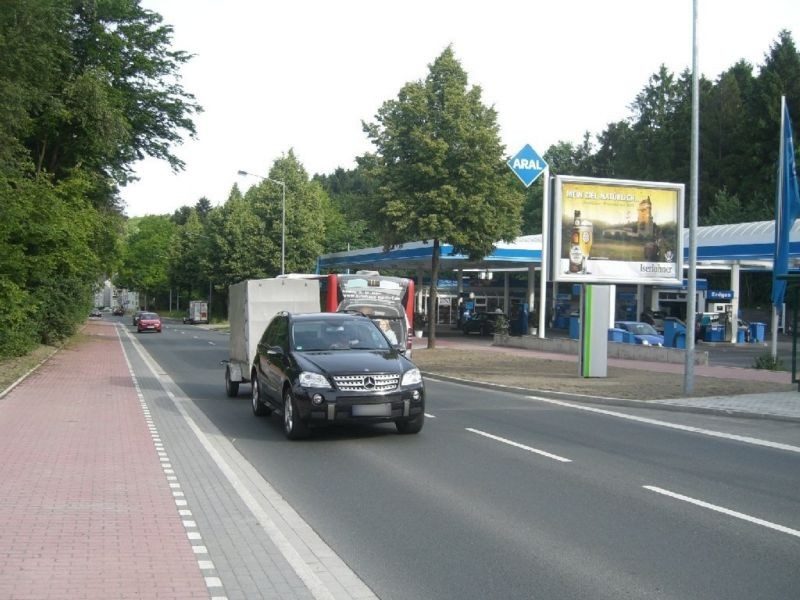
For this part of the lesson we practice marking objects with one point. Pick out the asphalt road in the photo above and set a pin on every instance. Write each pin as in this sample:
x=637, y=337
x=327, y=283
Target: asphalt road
x=505, y=496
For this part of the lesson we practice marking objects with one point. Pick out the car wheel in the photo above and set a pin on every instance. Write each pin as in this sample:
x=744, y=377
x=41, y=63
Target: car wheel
x=293, y=427
x=231, y=387
x=412, y=425
x=259, y=409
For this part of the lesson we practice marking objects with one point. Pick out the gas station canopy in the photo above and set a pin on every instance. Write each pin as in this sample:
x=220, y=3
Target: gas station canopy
x=518, y=254
x=718, y=246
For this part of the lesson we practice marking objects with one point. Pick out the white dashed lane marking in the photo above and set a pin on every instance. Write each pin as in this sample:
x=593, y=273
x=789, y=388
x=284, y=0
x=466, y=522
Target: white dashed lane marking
x=520, y=446
x=725, y=511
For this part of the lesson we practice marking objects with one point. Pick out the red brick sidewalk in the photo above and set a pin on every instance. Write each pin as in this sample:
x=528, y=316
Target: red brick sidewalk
x=85, y=508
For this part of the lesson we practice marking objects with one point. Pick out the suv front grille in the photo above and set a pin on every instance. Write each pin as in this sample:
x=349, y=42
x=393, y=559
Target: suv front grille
x=374, y=382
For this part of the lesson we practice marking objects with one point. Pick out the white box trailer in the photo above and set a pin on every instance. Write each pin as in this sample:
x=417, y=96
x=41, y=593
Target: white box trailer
x=251, y=306
x=197, y=313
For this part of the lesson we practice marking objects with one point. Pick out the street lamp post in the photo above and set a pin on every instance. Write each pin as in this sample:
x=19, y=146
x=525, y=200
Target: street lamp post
x=283, y=215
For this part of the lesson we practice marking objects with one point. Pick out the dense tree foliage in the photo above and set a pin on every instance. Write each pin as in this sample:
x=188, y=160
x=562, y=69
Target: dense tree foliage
x=147, y=254
x=350, y=196
x=87, y=87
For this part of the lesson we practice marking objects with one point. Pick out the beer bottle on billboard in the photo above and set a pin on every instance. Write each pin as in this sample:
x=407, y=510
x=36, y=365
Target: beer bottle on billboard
x=575, y=253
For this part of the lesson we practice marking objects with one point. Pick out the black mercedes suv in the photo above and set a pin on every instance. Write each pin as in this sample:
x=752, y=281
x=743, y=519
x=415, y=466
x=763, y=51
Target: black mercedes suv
x=326, y=368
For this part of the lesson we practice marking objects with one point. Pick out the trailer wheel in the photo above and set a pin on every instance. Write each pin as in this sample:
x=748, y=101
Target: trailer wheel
x=231, y=387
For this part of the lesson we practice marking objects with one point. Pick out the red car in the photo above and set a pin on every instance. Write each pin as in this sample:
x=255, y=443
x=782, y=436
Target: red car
x=148, y=321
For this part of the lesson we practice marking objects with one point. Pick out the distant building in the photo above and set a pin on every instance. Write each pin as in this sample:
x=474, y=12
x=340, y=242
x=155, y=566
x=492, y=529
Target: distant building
x=110, y=296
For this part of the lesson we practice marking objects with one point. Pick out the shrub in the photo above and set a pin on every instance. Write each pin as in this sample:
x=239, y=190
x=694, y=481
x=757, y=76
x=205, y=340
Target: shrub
x=501, y=325
x=768, y=362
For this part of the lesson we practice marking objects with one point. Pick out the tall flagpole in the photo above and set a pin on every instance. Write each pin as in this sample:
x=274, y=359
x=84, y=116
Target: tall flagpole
x=691, y=292
x=779, y=214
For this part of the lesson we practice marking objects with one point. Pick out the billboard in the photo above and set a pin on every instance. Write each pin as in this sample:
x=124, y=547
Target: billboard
x=617, y=231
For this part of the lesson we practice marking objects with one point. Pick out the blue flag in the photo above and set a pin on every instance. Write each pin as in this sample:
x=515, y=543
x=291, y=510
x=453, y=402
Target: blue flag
x=787, y=207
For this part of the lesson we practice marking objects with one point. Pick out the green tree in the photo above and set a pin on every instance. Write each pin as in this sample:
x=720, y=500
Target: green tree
x=351, y=195
x=237, y=246
x=441, y=169
x=146, y=256
x=188, y=267
x=48, y=235
x=87, y=88
x=305, y=227
x=119, y=97
x=778, y=76
x=305, y=199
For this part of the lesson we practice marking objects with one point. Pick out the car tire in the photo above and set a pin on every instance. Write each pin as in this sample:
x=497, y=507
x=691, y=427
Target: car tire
x=293, y=427
x=259, y=409
x=412, y=425
x=231, y=387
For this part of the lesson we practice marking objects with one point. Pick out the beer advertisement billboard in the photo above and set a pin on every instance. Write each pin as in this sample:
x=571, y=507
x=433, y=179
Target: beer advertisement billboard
x=616, y=231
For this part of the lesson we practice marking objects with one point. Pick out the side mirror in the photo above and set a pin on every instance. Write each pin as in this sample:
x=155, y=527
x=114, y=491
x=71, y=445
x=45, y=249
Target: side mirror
x=275, y=351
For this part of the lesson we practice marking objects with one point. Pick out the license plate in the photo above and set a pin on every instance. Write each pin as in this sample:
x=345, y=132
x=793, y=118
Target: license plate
x=372, y=410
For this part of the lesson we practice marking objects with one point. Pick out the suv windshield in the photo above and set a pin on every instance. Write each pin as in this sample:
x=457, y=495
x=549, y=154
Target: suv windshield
x=309, y=335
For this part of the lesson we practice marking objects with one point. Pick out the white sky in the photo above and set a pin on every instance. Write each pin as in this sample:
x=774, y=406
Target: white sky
x=278, y=75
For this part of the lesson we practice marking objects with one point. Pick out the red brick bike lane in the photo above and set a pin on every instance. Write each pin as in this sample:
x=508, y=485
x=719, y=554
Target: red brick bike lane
x=85, y=508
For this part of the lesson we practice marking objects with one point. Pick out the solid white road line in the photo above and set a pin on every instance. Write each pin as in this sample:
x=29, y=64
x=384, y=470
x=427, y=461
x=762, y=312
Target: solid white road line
x=726, y=511
x=430, y=416
x=520, y=446
x=689, y=428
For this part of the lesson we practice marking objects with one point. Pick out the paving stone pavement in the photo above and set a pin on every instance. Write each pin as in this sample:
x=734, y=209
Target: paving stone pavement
x=112, y=490
x=86, y=509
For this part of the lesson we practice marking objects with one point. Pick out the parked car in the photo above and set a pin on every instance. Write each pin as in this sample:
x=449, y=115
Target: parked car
x=643, y=333
x=482, y=323
x=654, y=318
x=118, y=311
x=96, y=312
x=331, y=368
x=148, y=321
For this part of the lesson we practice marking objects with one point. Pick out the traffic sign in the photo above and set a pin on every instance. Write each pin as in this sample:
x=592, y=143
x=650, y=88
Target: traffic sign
x=527, y=165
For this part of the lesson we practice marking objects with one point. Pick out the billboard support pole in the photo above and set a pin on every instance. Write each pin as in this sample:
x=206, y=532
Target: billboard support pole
x=545, y=253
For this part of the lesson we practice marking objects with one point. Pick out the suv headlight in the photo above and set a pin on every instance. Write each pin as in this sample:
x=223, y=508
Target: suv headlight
x=411, y=377
x=313, y=380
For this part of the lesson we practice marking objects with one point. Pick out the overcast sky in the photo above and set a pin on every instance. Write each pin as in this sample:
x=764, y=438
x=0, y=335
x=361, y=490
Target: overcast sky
x=278, y=75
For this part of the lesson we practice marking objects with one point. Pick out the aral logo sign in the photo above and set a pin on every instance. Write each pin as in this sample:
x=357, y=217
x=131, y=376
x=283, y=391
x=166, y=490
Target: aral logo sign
x=527, y=165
